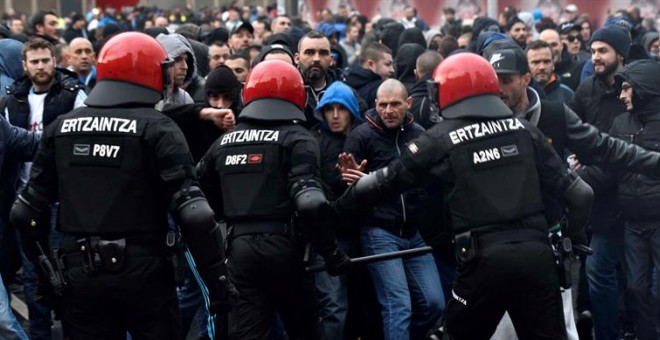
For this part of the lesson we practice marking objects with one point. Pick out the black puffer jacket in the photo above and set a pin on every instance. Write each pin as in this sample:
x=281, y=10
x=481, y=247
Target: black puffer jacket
x=379, y=145
x=365, y=82
x=639, y=195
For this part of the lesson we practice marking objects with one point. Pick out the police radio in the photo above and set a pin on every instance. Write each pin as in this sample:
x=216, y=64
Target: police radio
x=52, y=270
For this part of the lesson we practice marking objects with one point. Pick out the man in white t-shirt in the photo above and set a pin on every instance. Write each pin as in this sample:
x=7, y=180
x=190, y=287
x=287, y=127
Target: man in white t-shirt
x=33, y=102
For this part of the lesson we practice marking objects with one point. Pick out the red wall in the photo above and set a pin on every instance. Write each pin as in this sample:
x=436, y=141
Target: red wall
x=118, y=4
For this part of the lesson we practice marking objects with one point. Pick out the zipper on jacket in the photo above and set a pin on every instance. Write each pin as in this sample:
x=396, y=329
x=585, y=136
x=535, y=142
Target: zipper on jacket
x=403, y=203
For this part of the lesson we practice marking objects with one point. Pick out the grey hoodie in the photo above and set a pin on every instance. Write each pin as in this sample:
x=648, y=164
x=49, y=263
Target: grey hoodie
x=176, y=45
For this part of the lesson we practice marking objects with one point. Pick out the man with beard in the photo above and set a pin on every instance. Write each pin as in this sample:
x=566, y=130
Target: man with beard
x=32, y=103
x=517, y=29
x=596, y=102
x=539, y=57
x=44, y=26
x=83, y=59
x=314, y=61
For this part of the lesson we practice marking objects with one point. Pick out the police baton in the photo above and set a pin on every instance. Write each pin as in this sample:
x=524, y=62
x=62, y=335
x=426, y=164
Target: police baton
x=379, y=257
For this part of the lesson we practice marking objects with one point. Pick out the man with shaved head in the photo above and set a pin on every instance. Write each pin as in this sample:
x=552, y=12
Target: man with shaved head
x=566, y=68
x=83, y=60
x=426, y=114
x=408, y=284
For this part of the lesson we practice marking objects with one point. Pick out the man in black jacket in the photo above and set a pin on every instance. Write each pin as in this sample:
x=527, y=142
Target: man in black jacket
x=638, y=195
x=425, y=112
x=267, y=169
x=493, y=168
x=337, y=112
x=314, y=60
x=33, y=103
x=117, y=169
x=596, y=102
x=376, y=65
x=402, y=285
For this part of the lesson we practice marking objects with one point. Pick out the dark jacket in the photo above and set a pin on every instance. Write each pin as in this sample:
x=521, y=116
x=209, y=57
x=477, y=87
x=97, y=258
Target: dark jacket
x=569, y=70
x=72, y=33
x=314, y=96
x=426, y=113
x=379, y=145
x=557, y=91
x=598, y=104
x=405, y=63
x=365, y=82
x=19, y=143
x=59, y=100
x=638, y=194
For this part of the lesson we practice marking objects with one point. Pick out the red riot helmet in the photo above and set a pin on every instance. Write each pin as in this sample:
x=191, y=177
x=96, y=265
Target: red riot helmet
x=131, y=68
x=466, y=85
x=274, y=90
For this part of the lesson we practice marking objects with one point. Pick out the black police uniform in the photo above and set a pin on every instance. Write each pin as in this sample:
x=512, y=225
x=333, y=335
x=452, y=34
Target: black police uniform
x=493, y=168
x=117, y=172
x=263, y=167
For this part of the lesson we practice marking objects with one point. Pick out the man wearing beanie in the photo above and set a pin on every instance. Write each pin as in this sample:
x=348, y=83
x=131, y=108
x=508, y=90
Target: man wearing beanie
x=596, y=102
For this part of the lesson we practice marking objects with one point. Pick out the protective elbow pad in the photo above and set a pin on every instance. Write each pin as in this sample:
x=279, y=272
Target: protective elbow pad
x=310, y=202
x=199, y=228
x=315, y=215
x=192, y=210
x=26, y=210
x=366, y=192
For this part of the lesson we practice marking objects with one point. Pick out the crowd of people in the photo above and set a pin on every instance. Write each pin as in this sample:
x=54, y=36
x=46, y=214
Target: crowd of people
x=369, y=92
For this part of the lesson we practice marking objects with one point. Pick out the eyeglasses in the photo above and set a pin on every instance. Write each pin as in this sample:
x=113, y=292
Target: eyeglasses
x=573, y=38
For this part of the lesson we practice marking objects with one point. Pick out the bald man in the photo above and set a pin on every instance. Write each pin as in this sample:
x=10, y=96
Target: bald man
x=551, y=36
x=83, y=59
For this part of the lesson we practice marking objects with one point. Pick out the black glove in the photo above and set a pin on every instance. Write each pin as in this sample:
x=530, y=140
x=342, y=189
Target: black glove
x=337, y=263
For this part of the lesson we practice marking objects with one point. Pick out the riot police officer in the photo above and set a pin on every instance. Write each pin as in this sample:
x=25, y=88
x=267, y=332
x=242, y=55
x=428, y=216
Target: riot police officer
x=117, y=168
x=267, y=170
x=494, y=169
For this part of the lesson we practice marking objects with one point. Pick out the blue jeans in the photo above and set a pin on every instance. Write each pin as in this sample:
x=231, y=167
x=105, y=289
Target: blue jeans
x=408, y=290
x=605, y=275
x=642, y=253
x=332, y=292
x=10, y=329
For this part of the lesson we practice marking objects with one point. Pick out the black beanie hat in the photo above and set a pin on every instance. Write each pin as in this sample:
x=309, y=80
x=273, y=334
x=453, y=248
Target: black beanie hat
x=222, y=80
x=616, y=36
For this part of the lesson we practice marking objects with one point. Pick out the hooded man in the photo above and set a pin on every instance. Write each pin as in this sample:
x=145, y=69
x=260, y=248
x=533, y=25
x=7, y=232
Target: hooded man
x=337, y=112
x=179, y=50
x=405, y=69
x=10, y=63
x=639, y=87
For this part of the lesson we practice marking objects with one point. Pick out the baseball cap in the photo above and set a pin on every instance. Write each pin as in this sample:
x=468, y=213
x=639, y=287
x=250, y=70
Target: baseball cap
x=243, y=25
x=568, y=26
x=509, y=61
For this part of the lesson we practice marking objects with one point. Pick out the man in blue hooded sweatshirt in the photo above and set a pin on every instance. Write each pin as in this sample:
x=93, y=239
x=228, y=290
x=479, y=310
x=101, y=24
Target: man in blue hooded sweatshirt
x=338, y=112
x=11, y=67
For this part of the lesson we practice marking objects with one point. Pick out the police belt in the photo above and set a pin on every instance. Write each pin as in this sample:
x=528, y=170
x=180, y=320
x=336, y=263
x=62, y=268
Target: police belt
x=134, y=247
x=494, y=238
x=241, y=228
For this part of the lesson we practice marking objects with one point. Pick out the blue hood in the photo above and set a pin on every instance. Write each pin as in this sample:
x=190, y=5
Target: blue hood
x=338, y=93
x=11, y=58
